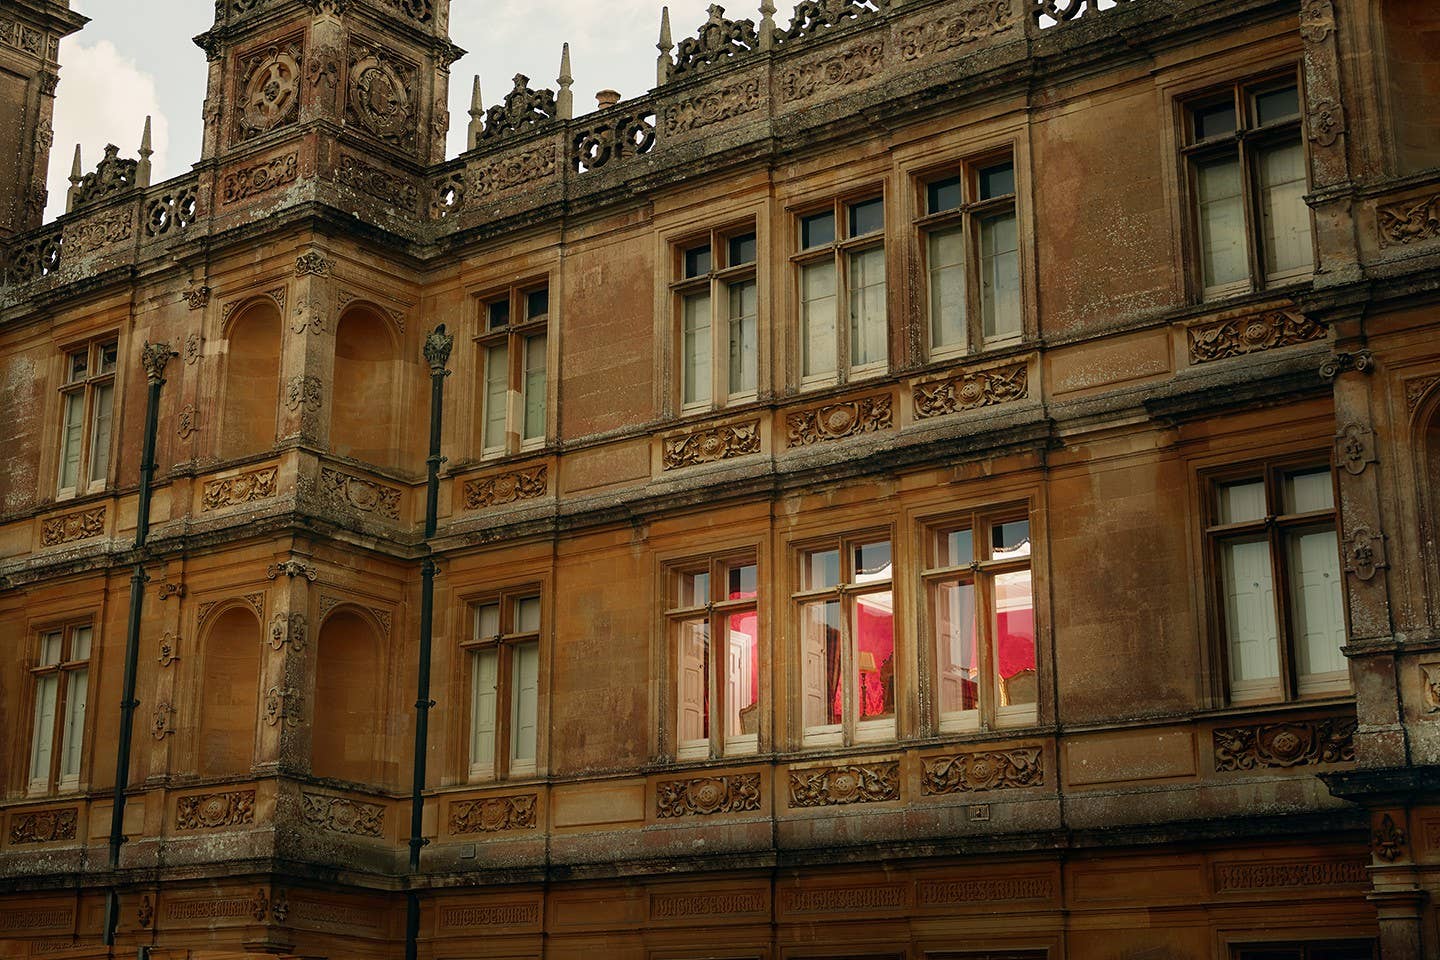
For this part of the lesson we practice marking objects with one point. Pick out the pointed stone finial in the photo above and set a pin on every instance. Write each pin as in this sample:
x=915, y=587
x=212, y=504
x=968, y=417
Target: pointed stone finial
x=767, y=24
x=142, y=169
x=565, y=99
x=664, y=62
x=477, y=114
x=77, y=174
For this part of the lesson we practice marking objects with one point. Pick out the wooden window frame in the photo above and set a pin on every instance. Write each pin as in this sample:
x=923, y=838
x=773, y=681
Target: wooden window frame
x=1341, y=948
x=504, y=644
x=88, y=386
x=52, y=781
x=514, y=334
x=717, y=282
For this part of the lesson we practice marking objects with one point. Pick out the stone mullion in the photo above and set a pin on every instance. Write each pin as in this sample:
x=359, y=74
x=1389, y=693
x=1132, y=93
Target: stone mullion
x=1328, y=136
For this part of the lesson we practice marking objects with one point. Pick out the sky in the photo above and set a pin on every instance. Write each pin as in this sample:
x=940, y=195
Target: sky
x=135, y=58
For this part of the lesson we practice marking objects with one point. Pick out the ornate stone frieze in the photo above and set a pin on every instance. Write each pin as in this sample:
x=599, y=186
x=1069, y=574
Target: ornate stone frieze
x=1391, y=842
x=44, y=826
x=97, y=233
x=269, y=88
x=313, y=264
x=240, y=489
x=617, y=138
x=72, y=526
x=1411, y=221
x=259, y=178
x=717, y=41
x=343, y=815
x=705, y=796
x=1364, y=553
x=844, y=899
x=522, y=109
x=1279, y=875
x=287, y=628
x=222, y=908
x=525, y=168
x=835, y=421
x=493, y=814
x=849, y=65
x=1355, y=448
x=37, y=918
x=815, y=17
x=169, y=649
x=526, y=484
x=845, y=784
x=111, y=176
x=1296, y=743
x=304, y=392
x=1234, y=338
x=936, y=893
x=969, y=391
x=382, y=94
x=982, y=770
x=353, y=493
x=490, y=915
x=394, y=189
x=715, y=443
x=956, y=28
x=206, y=811
x=714, y=106
x=676, y=906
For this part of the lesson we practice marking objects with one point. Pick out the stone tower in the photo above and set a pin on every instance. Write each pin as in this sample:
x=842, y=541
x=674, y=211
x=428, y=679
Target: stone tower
x=30, y=35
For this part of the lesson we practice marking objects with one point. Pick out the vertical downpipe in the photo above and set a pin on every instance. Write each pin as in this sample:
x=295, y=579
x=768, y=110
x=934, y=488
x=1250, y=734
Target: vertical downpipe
x=437, y=354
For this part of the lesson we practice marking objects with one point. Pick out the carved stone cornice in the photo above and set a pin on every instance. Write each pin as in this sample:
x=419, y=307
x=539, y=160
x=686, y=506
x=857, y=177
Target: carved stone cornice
x=972, y=390
x=710, y=445
x=1292, y=743
x=706, y=796
x=493, y=814
x=845, y=784
x=208, y=811
x=982, y=770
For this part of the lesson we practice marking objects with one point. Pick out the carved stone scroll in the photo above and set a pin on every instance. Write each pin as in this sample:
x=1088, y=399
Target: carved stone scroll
x=845, y=784
x=493, y=814
x=835, y=421
x=72, y=526
x=707, y=446
x=969, y=391
x=240, y=489
x=1297, y=743
x=1235, y=338
x=526, y=484
x=207, y=811
x=705, y=796
x=343, y=815
x=982, y=770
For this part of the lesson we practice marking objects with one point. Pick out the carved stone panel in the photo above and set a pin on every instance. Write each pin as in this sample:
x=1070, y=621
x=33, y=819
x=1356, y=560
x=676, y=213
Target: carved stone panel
x=705, y=796
x=1409, y=221
x=343, y=815
x=982, y=770
x=258, y=178
x=828, y=74
x=493, y=814
x=1234, y=338
x=207, y=811
x=1355, y=448
x=1430, y=687
x=835, y=421
x=1271, y=875
x=526, y=484
x=72, y=526
x=953, y=28
x=44, y=826
x=845, y=784
x=382, y=95
x=304, y=392
x=363, y=496
x=970, y=391
x=1297, y=743
x=240, y=489
x=710, y=107
x=268, y=88
x=715, y=443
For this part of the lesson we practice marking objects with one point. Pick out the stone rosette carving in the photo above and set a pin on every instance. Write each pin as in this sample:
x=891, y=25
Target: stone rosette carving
x=706, y=796
x=343, y=815
x=714, y=106
x=1294, y=743
x=354, y=493
x=956, y=28
x=269, y=89
x=70, y=527
x=493, y=814
x=1410, y=221
x=835, y=421
x=1223, y=339
x=239, y=490
x=44, y=826
x=970, y=391
x=982, y=770
x=850, y=65
x=208, y=811
x=259, y=178
x=710, y=445
x=845, y=784
x=527, y=484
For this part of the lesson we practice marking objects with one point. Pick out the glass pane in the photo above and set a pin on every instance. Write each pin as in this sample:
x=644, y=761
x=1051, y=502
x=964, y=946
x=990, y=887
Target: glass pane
x=696, y=369
x=742, y=672
x=100, y=431
x=742, y=582
x=1215, y=120
x=742, y=250
x=997, y=181
x=822, y=569
x=80, y=644
x=537, y=303
x=875, y=655
x=534, y=398
x=817, y=317
x=693, y=698
x=524, y=702
x=108, y=353
x=956, y=665
x=74, y=734
x=497, y=385
x=499, y=311
x=1273, y=105
x=1249, y=601
x=946, y=261
x=487, y=621
x=1240, y=502
x=527, y=615
x=1309, y=490
x=1011, y=539
x=70, y=437
x=942, y=195
x=824, y=693
x=871, y=561
x=744, y=347
x=867, y=307
x=51, y=647
x=999, y=277
x=1318, y=614
x=78, y=366
x=1221, y=219
x=867, y=217
x=958, y=548
x=694, y=589
x=697, y=261
x=1284, y=217
x=483, y=664
x=42, y=737
x=817, y=230
x=1015, y=639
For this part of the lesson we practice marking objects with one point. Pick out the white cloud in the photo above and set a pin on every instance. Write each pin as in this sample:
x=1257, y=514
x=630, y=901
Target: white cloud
x=103, y=98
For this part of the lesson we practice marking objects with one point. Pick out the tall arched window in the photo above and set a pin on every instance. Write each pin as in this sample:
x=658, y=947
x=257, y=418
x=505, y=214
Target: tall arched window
x=229, y=694
x=252, y=382
x=348, y=699
x=363, y=420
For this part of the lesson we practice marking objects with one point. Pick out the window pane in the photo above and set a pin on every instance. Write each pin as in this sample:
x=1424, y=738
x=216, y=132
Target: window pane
x=1275, y=105
x=1249, y=600
x=867, y=217
x=744, y=347
x=527, y=615
x=999, y=277
x=817, y=230
x=694, y=589
x=693, y=659
x=997, y=181
x=742, y=250
x=697, y=261
x=1215, y=120
x=1015, y=639
x=108, y=353
x=42, y=737
x=77, y=366
x=497, y=384
x=867, y=307
x=74, y=733
x=942, y=195
x=80, y=643
x=1010, y=539
x=537, y=303
x=524, y=702
x=871, y=561
x=742, y=582
x=1318, y=617
x=696, y=370
x=822, y=569
x=875, y=655
x=946, y=261
x=487, y=621
x=1221, y=222
x=958, y=547
x=1240, y=502
x=70, y=437
x=499, y=311
x=1284, y=217
x=51, y=648
x=824, y=692
x=100, y=431
x=956, y=664
x=534, y=398
x=817, y=317
x=482, y=709
x=742, y=672
x=1309, y=490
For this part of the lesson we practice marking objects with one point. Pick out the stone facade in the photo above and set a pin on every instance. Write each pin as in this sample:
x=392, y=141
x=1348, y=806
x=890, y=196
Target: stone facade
x=1115, y=783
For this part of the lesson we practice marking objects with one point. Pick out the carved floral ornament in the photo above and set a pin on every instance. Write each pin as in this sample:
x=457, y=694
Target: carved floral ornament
x=282, y=704
x=287, y=629
x=1355, y=448
x=526, y=484
x=956, y=28
x=207, y=811
x=970, y=391
x=845, y=784
x=72, y=526
x=169, y=649
x=835, y=421
x=1296, y=743
x=343, y=815
x=1390, y=839
x=1364, y=553
x=705, y=796
x=355, y=493
x=493, y=814
x=240, y=489
x=1223, y=339
x=982, y=770
x=43, y=826
x=710, y=445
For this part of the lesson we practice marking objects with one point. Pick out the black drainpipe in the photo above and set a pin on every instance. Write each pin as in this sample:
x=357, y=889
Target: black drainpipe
x=154, y=357
x=437, y=354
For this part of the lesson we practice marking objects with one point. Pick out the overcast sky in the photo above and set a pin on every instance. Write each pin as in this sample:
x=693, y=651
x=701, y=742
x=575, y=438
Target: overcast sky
x=136, y=58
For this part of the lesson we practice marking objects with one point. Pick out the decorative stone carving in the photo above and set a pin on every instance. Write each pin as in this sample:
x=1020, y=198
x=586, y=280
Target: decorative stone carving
x=718, y=40
x=35, y=258
x=304, y=392
x=957, y=28
x=162, y=720
x=705, y=796
x=342, y=490
x=269, y=89
x=677, y=906
x=173, y=211
x=72, y=526
x=257, y=603
x=145, y=912
x=835, y=421
x=1364, y=553
x=814, y=17
x=1355, y=448
x=498, y=915
x=313, y=264
x=288, y=628
x=91, y=235
x=260, y=906
x=1317, y=20
x=1062, y=10
x=240, y=489
x=1410, y=221
x=618, y=138
x=111, y=175
x=1297, y=743
x=1326, y=122
x=154, y=358
x=1390, y=840
x=259, y=178
x=44, y=826
x=969, y=391
x=845, y=784
x=952, y=892
x=1361, y=361
x=1417, y=389
x=525, y=168
x=982, y=770
x=438, y=345
x=524, y=484
x=522, y=109
x=844, y=900
x=714, y=106
x=1234, y=338
x=310, y=315
x=707, y=446
x=280, y=907
x=343, y=815
x=382, y=94
x=1278, y=875
x=282, y=704
x=391, y=188
x=169, y=649
x=851, y=64
x=1430, y=686
x=168, y=590
x=493, y=814
x=323, y=66
x=291, y=568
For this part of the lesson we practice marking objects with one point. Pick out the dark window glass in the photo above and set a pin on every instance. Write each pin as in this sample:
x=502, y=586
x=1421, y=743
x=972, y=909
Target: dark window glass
x=697, y=261
x=1010, y=536
x=1272, y=105
x=742, y=582
x=1215, y=120
x=943, y=195
x=997, y=181
x=872, y=558
x=742, y=250
x=537, y=303
x=817, y=230
x=867, y=217
x=499, y=314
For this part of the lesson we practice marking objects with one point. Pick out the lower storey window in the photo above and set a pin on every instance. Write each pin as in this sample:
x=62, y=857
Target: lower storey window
x=714, y=626
x=61, y=688
x=1341, y=950
x=505, y=681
